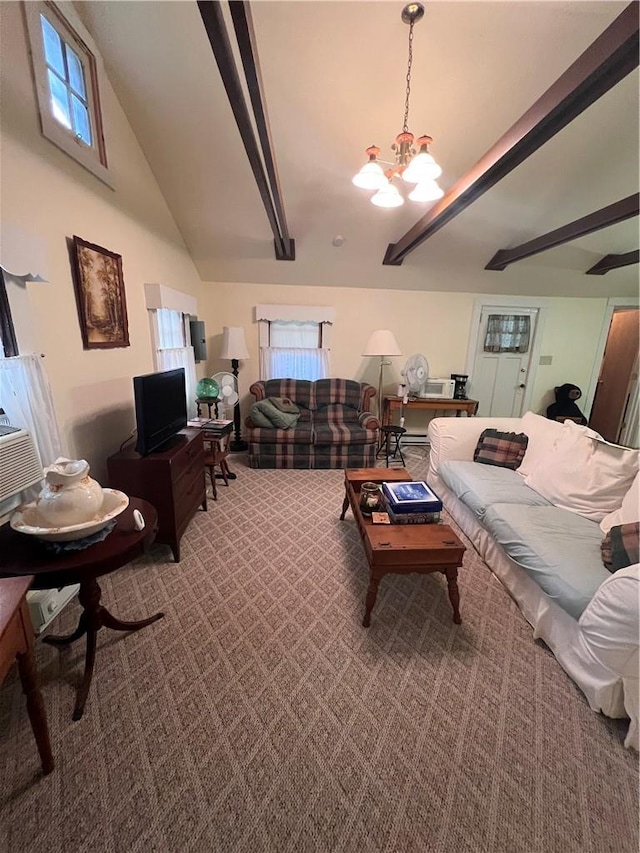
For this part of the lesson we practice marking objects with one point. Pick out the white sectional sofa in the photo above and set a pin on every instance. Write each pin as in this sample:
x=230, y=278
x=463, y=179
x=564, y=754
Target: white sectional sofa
x=539, y=529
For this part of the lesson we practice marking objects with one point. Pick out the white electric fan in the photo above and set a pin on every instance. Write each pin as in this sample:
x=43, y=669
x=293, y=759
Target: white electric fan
x=416, y=375
x=228, y=394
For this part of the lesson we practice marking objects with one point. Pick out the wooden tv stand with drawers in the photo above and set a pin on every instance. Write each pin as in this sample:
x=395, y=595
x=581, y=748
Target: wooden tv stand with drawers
x=172, y=479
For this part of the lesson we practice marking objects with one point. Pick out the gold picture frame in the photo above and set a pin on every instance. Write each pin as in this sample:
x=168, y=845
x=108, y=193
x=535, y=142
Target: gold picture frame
x=102, y=306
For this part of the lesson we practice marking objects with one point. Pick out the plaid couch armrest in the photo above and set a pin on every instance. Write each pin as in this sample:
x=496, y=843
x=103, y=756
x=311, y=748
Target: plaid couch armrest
x=368, y=420
x=258, y=390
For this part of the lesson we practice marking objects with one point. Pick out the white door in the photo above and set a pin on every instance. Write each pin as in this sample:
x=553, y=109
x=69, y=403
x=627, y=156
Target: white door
x=499, y=378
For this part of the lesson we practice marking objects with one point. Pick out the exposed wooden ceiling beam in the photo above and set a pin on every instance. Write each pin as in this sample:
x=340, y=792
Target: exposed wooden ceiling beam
x=614, y=262
x=214, y=24
x=245, y=36
x=610, y=215
x=612, y=56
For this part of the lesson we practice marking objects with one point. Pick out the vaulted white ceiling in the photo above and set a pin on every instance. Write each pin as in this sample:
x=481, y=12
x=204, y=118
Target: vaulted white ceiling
x=333, y=77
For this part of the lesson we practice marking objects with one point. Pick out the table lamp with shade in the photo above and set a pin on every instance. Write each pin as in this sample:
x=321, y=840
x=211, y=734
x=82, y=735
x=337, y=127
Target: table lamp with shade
x=234, y=347
x=381, y=343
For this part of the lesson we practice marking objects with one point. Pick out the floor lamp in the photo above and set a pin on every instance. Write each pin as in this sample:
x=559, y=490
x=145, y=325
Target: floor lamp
x=234, y=347
x=381, y=343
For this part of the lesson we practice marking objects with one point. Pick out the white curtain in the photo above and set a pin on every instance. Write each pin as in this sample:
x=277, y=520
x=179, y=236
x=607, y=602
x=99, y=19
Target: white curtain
x=170, y=328
x=25, y=396
x=170, y=359
x=295, y=334
x=293, y=362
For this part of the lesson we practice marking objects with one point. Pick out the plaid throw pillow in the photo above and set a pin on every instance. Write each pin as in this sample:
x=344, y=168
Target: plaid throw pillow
x=621, y=546
x=505, y=449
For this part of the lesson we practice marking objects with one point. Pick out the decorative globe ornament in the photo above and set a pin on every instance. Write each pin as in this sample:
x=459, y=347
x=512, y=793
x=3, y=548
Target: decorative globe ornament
x=207, y=389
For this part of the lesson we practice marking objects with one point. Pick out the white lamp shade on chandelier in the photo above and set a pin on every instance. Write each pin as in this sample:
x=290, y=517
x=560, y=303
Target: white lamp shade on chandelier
x=234, y=345
x=370, y=177
x=382, y=342
x=387, y=196
x=415, y=165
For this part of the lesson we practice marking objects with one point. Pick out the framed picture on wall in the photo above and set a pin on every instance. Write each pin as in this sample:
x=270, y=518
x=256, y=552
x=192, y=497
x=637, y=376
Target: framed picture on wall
x=102, y=305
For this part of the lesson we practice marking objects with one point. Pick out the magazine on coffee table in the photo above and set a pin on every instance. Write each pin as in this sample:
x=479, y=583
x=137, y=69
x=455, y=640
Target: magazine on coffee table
x=411, y=496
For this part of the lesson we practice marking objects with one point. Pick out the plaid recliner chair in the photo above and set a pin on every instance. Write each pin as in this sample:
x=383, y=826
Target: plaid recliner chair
x=335, y=430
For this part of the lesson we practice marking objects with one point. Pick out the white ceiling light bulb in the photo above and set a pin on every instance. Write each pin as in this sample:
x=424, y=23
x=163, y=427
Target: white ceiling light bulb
x=387, y=196
x=423, y=167
x=371, y=176
x=426, y=191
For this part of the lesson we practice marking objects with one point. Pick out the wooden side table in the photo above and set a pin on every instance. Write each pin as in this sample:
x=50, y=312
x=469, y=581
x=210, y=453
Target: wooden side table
x=432, y=404
x=16, y=643
x=24, y=555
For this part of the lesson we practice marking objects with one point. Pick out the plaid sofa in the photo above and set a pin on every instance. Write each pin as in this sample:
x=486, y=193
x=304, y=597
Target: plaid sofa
x=335, y=428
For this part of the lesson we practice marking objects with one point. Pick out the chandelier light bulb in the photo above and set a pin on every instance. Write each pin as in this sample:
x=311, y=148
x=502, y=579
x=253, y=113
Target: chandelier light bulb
x=426, y=191
x=387, y=196
x=422, y=168
x=370, y=177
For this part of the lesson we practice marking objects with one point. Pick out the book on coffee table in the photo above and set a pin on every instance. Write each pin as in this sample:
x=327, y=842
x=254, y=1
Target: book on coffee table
x=411, y=496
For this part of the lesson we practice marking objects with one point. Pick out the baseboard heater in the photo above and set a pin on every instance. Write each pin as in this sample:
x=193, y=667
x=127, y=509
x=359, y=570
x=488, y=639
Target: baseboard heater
x=409, y=439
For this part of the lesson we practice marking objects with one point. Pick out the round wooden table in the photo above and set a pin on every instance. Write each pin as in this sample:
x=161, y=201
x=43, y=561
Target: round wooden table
x=21, y=554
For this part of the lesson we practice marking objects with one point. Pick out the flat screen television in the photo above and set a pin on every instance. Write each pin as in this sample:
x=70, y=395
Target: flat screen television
x=161, y=408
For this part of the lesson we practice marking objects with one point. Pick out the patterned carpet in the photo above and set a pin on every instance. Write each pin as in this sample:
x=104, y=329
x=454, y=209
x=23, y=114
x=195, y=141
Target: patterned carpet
x=259, y=715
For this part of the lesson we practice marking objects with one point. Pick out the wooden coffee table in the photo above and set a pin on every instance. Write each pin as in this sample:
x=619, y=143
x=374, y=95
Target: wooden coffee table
x=401, y=548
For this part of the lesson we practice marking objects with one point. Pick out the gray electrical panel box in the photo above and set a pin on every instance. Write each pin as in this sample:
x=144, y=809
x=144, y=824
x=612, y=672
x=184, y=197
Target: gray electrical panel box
x=198, y=339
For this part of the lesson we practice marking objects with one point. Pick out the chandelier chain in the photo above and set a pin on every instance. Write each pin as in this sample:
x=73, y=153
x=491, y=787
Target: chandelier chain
x=405, y=126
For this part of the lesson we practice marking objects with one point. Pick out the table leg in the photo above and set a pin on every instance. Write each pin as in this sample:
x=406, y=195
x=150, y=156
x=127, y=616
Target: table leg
x=345, y=505
x=35, y=709
x=454, y=594
x=94, y=616
x=372, y=594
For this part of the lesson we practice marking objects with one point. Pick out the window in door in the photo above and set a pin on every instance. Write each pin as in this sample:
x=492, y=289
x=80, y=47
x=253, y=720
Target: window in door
x=507, y=333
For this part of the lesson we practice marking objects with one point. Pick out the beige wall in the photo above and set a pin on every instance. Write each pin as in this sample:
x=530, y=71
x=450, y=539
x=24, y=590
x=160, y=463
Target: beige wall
x=46, y=198
x=438, y=325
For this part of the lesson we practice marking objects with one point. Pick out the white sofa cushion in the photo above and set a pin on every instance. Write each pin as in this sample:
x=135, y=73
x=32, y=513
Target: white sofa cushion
x=628, y=512
x=583, y=473
x=559, y=550
x=541, y=433
x=480, y=486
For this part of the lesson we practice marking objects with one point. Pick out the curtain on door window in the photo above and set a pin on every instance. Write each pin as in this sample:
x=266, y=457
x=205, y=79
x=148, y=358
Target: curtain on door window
x=295, y=351
x=26, y=398
x=507, y=333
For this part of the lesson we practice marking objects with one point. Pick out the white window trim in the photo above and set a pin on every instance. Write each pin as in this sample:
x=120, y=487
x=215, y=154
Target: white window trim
x=62, y=15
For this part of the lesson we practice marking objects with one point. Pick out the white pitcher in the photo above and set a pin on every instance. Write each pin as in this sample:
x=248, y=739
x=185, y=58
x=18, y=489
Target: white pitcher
x=69, y=495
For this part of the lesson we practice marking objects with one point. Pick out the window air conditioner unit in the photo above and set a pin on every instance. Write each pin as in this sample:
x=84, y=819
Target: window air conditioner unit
x=19, y=468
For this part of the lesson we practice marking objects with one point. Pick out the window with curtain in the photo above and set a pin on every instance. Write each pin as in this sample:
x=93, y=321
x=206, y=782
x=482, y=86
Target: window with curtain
x=507, y=333
x=172, y=350
x=294, y=341
x=26, y=398
x=25, y=395
x=295, y=351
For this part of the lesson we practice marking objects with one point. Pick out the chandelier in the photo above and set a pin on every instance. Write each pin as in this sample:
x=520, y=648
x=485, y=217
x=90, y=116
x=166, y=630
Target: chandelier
x=413, y=163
